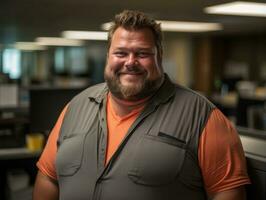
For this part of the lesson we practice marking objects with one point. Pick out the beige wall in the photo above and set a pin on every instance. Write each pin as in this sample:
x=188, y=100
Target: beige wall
x=178, y=59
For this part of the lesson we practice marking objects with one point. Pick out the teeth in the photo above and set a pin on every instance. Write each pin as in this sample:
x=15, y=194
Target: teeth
x=132, y=74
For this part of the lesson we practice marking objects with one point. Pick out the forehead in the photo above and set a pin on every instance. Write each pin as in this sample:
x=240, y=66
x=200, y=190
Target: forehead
x=142, y=37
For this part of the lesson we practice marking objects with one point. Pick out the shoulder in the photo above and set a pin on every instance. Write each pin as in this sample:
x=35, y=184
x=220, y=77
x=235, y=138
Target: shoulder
x=192, y=103
x=181, y=95
x=94, y=91
x=190, y=95
x=84, y=102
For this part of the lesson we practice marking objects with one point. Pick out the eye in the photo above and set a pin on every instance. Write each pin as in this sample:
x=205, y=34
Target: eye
x=120, y=54
x=144, y=54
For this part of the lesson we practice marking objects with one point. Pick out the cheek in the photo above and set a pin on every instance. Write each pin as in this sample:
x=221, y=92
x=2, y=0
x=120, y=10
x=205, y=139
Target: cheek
x=152, y=68
x=114, y=63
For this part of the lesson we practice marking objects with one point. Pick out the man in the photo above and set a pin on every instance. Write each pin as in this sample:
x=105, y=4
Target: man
x=139, y=136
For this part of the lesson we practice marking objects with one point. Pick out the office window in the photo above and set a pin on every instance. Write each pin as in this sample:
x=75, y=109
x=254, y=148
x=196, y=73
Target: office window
x=11, y=63
x=71, y=60
x=59, y=60
x=1, y=60
x=77, y=60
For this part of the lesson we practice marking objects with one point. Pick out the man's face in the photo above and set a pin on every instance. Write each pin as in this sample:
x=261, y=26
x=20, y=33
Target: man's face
x=133, y=70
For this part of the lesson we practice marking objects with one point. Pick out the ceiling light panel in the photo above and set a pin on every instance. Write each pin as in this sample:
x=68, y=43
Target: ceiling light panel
x=57, y=41
x=85, y=35
x=29, y=46
x=181, y=26
x=239, y=8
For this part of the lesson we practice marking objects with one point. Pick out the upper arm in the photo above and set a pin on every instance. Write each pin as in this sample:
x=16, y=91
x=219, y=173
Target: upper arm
x=45, y=188
x=46, y=163
x=221, y=156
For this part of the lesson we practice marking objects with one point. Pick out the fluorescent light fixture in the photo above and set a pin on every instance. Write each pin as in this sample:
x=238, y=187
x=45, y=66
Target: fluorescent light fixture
x=29, y=46
x=239, y=8
x=106, y=26
x=85, y=35
x=181, y=26
x=58, y=41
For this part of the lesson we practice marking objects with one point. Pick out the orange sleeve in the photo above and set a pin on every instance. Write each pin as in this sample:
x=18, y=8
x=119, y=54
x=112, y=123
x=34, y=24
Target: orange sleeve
x=46, y=163
x=221, y=156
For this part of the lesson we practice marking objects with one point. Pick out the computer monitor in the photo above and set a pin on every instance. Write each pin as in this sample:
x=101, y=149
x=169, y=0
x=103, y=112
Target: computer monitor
x=46, y=105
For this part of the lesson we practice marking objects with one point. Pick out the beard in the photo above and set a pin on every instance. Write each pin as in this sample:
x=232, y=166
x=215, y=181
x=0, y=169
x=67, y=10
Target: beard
x=132, y=92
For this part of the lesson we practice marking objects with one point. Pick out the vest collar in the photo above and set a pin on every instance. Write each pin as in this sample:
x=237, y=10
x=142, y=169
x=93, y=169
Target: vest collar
x=100, y=93
x=165, y=92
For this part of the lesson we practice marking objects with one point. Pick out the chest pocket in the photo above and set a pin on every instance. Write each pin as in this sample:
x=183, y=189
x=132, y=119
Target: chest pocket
x=157, y=160
x=69, y=155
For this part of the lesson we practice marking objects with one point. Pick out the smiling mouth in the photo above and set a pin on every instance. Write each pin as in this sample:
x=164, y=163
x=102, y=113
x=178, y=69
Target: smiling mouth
x=131, y=77
x=131, y=73
x=135, y=71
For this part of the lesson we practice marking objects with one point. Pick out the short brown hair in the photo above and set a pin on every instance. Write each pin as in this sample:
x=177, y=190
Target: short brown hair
x=130, y=19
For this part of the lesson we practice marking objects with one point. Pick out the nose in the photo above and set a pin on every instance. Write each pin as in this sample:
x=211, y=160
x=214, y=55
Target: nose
x=131, y=60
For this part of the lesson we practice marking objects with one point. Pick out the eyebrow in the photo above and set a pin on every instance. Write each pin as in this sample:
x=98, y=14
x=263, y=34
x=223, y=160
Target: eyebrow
x=137, y=49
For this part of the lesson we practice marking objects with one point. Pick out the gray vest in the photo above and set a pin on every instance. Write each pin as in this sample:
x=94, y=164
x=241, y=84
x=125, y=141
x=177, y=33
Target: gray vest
x=158, y=158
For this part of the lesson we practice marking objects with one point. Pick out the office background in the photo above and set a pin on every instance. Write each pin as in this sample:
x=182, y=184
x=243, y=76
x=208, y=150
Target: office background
x=226, y=63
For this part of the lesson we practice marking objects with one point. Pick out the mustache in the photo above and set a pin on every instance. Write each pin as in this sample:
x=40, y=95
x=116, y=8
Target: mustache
x=133, y=69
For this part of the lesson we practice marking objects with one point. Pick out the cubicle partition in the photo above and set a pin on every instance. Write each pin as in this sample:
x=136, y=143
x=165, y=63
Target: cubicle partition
x=251, y=112
x=46, y=103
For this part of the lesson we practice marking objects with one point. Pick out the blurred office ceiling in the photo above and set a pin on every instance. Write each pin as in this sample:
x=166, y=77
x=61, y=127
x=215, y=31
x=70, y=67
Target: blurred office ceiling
x=24, y=20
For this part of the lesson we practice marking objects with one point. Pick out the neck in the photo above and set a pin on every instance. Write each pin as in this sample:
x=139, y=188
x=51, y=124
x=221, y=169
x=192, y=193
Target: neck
x=124, y=107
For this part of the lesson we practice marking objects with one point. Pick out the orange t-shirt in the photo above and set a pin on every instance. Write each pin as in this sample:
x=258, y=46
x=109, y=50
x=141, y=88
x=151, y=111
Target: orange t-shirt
x=119, y=125
x=219, y=144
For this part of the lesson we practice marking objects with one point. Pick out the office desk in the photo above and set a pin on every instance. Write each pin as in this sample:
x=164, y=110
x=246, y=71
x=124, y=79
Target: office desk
x=14, y=158
x=17, y=153
x=254, y=144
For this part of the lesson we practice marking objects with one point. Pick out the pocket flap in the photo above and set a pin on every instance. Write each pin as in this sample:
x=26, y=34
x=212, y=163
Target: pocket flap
x=157, y=161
